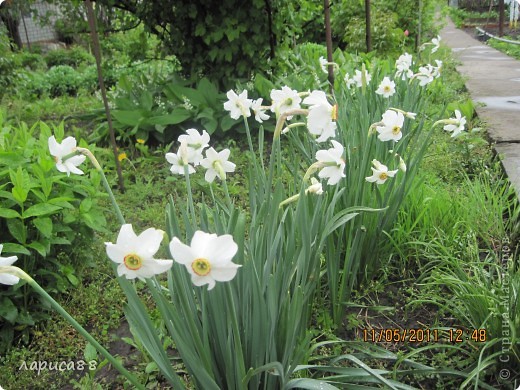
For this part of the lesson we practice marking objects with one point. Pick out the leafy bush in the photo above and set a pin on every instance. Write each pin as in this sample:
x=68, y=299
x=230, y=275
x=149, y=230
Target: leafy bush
x=63, y=80
x=40, y=216
x=71, y=57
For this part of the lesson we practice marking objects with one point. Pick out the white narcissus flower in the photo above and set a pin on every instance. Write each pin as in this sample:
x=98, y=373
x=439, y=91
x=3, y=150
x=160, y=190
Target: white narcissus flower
x=134, y=254
x=217, y=164
x=208, y=258
x=259, y=111
x=332, y=163
x=436, y=71
x=323, y=64
x=456, y=125
x=386, y=88
x=380, y=173
x=392, y=124
x=238, y=105
x=349, y=81
x=67, y=147
x=196, y=143
x=5, y=262
x=322, y=116
x=403, y=65
x=181, y=159
x=285, y=99
x=359, y=80
x=436, y=43
x=425, y=75
x=315, y=187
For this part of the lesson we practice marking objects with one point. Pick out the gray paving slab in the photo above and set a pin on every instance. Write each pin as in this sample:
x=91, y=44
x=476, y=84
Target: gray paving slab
x=493, y=81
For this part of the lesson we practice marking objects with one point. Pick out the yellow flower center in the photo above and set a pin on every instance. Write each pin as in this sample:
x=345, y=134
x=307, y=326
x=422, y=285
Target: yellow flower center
x=383, y=176
x=133, y=262
x=335, y=112
x=387, y=88
x=201, y=266
x=396, y=130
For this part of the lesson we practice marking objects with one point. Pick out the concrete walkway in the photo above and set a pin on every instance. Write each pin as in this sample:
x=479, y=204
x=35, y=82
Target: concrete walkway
x=493, y=81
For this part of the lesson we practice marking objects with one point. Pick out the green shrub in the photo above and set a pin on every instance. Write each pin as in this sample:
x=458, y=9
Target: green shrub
x=71, y=57
x=30, y=61
x=63, y=80
x=43, y=220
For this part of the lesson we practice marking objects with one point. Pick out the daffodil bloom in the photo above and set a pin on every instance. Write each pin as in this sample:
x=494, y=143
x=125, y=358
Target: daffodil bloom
x=331, y=163
x=455, y=125
x=285, y=99
x=358, y=78
x=60, y=151
x=7, y=261
x=134, y=254
x=436, y=43
x=196, y=142
x=349, y=81
x=217, y=164
x=238, y=105
x=436, y=71
x=315, y=187
x=425, y=75
x=403, y=65
x=208, y=259
x=259, y=110
x=386, y=88
x=323, y=64
x=392, y=125
x=380, y=173
x=322, y=116
x=181, y=159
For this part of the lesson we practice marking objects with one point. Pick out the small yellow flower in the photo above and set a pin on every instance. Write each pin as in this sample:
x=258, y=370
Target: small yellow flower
x=140, y=141
x=122, y=156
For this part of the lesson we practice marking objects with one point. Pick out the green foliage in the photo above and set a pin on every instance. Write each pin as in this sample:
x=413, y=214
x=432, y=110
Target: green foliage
x=509, y=48
x=150, y=106
x=63, y=80
x=73, y=57
x=40, y=215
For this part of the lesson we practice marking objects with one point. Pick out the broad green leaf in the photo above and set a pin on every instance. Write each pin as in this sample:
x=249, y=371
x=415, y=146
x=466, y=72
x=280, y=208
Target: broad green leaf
x=90, y=352
x=128, y=118
x=44, y=225
x=11, y=159
x=39, y=247
x=85, y=205
x=177, y=115
x=146, y=100
x=17, y=230
x=8, y=310
x=9, y=247
x=8, y=213
x=40, y=209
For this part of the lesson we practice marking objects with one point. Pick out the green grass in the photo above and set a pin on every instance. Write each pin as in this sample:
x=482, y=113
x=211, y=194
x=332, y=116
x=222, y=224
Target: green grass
x=508, y=48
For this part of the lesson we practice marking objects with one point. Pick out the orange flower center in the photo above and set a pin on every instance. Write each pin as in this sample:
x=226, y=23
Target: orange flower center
x=133, y=262
x=201, y=266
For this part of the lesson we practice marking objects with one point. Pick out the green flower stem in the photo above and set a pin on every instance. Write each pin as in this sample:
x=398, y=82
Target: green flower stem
x=96, y=164
x=190, y=195
x=56, y=306
x=250, y=142
x=226, y=192
x=293, y=198
x=281, y=120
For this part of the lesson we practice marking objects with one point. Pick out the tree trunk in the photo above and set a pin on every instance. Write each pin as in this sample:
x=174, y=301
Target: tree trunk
x=368, y=31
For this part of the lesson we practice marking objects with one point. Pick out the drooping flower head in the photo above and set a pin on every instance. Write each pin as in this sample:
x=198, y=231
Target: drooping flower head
x=436, y=43
x=181, y=159
x=285, y=99
x=426, y=75
x=332, y=163
x=196, y=142
x=323, y=64
x=4, y=262
x=349, y=81
x=380, y=173
x=134, y=254
x=217, y=164
x=259, y=110
x=322, y=117
x=403, y=65
x=66, y=148
x=455, y=125
x=392, y=124
x=386, y=88
x=208, y=259
x=238, y=105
